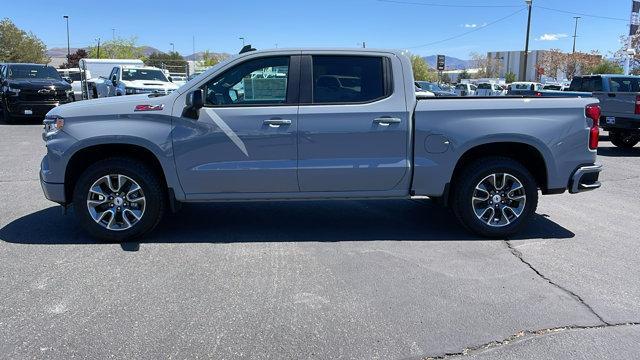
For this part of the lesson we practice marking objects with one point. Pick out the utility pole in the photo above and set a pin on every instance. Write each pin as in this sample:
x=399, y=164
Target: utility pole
x=526, y=46
x=113, y=33
x=173, y=47
x=66, y=17
x=98, y=50
x=634, y=25
x=575, y=33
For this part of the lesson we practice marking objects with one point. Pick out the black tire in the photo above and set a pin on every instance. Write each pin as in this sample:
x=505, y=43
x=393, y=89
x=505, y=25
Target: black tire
x=152, y=188
x=623, y=139
x=465, y=188
x=6, y=116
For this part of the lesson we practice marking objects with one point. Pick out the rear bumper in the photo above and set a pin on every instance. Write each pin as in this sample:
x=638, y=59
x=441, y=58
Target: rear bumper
x=621, y=123
x=585, y=179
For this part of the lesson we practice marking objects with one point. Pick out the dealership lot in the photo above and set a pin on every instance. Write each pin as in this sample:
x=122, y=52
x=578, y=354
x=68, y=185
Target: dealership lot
x=361, y=279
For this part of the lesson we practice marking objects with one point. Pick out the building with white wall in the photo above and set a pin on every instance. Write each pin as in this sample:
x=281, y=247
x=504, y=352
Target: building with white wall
x=513, y=61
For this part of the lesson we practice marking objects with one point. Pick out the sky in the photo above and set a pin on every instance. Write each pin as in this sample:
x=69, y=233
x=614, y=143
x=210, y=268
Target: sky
x=424, y=27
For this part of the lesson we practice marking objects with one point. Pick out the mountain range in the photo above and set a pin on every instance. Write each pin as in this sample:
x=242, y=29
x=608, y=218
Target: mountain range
x=451, y=63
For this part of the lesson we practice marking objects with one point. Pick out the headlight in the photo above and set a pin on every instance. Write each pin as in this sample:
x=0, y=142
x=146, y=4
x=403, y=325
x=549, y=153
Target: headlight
x=53, y=124
x=16, y=91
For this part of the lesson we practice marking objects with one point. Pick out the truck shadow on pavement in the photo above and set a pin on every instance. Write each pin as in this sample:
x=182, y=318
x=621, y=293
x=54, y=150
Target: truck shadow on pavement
x=304, y=221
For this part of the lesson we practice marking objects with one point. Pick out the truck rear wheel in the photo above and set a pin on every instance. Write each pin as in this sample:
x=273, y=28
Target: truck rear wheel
x=623, y=139
x=495, y=197
x=118, y=199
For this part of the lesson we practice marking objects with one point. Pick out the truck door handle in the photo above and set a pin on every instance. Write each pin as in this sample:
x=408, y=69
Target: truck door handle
x=276, y=123
x=386, y=121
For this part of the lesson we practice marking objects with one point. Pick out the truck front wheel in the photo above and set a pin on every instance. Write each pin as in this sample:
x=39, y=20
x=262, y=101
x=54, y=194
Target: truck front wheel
x=494, y=197
x=118, y=199
x=624, y=140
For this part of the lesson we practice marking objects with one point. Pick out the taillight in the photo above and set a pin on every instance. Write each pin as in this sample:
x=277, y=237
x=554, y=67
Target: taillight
x=592, y=111
x=638, y=105
x=538, y=94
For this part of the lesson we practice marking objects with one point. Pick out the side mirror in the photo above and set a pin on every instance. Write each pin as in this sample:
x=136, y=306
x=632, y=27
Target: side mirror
x=194, y=102
x=170, y=79
x=67, y=79
x=114, y=80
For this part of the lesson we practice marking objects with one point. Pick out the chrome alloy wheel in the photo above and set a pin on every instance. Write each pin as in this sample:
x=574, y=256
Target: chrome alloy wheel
x=116, y=202
x=499, y=199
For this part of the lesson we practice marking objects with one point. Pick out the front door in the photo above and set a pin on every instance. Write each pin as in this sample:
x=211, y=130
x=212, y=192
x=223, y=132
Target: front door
x=245, y=138
x=354, y=124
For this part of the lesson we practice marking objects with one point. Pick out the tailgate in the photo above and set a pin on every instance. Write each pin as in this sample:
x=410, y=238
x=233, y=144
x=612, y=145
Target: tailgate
x=620, y=104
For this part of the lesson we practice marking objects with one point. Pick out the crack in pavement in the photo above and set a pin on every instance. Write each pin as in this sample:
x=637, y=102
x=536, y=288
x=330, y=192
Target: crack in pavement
x=523, y=336
x=528, y=334
x=518, y=255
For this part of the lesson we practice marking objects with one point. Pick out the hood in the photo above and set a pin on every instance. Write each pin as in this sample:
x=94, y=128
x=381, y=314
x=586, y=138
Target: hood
x=39, y=84
x=149, y=84
x=116, y=105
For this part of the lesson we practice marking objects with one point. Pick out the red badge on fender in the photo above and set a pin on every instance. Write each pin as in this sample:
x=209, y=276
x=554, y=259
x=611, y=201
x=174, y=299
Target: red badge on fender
x=149, y=107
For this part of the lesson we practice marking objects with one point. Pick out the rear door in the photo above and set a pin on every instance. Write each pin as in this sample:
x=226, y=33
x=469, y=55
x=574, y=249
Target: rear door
x=354, y=123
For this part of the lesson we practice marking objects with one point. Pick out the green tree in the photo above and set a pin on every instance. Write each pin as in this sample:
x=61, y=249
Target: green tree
x=73, y=60
x=606, y=67
x=118, y=48
x=421, y=70
x=19, y=46
x=510, y=77
x=211, y=59
x=172, y=60
x=464, y=75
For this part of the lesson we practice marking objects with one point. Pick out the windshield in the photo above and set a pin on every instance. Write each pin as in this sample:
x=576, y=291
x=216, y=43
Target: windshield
x=32, y=72
x=143, y=74
x=429, y=86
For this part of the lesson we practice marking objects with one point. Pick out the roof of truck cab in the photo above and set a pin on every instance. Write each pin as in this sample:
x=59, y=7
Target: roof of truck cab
x=328, y=50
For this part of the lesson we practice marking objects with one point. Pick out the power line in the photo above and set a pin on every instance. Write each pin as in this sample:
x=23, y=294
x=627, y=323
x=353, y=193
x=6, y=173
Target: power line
x=447, y=5
x=471, y=31
x=580, y=14
x=405, y=2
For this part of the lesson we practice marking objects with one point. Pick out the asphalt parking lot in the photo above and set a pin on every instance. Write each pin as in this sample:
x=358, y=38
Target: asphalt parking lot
x=320, y=280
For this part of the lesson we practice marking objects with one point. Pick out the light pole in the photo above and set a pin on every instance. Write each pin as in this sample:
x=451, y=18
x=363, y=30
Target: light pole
x=173, y=47
x=66, y=17
x=575, y=33
x=241, y=38
x=98, y=50
x=113, y=33
x=526, y=46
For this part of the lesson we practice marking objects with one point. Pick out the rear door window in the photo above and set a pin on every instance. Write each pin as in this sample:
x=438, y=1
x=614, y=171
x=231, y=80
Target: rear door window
x=348, y=79
x=624, y=85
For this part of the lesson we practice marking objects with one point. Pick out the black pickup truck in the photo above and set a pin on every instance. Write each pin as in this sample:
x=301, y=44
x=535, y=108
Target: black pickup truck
x=31, y=90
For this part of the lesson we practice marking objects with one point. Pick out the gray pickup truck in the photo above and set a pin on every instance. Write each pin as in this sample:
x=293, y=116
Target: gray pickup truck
x=619, y=97
x=275, y=125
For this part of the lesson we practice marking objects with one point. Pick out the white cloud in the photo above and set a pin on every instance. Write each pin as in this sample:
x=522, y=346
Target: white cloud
x=552, y=37
x=474, y=26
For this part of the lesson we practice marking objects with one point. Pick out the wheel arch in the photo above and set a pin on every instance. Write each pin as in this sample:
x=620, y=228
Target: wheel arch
x=84, y=156
x=525, y=153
